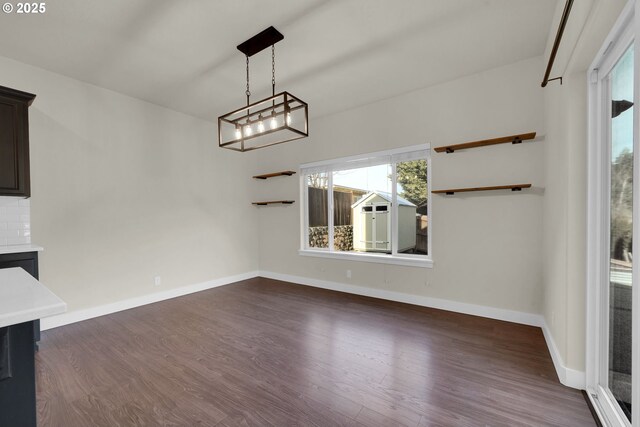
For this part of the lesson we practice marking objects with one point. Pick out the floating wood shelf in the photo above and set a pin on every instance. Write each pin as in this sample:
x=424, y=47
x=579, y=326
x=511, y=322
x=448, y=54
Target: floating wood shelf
x=514, y=139
x=271, y=175
x=274, y=202
x=514, y=187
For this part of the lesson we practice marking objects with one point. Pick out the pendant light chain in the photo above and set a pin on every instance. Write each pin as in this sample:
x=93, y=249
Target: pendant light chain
x=273, y=70
x=248, y=92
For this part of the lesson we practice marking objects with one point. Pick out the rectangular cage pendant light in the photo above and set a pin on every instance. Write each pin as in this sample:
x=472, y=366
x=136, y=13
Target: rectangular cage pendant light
x=274, y=120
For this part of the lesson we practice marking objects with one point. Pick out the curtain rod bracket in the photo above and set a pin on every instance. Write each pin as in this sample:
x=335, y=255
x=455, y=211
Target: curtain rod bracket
x=544, y=84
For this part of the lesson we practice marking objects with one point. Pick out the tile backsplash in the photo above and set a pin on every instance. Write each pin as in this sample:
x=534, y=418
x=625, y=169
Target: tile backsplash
x=15, y=221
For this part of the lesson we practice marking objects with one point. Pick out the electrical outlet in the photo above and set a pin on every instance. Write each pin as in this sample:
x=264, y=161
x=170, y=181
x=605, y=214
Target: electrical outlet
x=157, y=281
x=348, y=274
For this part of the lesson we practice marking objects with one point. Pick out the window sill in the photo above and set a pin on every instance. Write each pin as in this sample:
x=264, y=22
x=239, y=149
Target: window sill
x=410, y=261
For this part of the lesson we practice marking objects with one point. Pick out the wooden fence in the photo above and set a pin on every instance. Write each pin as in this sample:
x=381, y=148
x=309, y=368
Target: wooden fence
x=318, y=207
x=421, y=234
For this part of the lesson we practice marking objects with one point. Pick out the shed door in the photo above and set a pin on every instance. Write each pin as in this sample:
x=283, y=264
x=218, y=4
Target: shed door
x=381, y=227
x=368, y=224
x=376, y=227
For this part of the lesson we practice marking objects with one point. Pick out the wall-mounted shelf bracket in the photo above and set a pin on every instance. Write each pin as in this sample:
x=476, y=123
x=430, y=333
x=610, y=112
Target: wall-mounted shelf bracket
x=274, y=202
x=513, y=187
x=271, y=175
x=514, y=139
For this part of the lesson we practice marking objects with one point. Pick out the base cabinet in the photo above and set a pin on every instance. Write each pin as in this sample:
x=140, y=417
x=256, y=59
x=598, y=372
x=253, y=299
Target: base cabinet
x=28, y=261
x=18, y=386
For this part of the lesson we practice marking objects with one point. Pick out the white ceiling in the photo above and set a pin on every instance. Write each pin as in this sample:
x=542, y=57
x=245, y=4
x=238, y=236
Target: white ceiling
x=336, y=54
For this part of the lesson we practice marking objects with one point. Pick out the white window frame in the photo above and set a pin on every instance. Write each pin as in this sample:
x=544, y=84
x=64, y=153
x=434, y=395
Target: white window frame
x=621, y=36
x=391, y=157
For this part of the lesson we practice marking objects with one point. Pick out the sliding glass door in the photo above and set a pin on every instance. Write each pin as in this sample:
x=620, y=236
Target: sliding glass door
x=613, y=221
x=619, y=304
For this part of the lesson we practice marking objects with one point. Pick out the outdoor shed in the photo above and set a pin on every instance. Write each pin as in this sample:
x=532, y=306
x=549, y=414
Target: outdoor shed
x=372, y=223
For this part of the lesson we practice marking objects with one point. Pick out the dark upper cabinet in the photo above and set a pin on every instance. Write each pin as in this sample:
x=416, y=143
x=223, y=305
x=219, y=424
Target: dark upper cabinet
x=14, y=142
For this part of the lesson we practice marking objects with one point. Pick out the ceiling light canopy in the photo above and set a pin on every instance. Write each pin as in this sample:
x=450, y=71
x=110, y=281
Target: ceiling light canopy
x=279, y=118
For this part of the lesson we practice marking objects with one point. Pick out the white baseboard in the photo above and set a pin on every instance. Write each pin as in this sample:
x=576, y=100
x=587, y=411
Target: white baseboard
x=443, y=304
x=89, y=313
x=567, y=376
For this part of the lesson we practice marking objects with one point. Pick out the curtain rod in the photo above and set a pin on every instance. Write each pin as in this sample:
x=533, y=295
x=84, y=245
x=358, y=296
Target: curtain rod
x=556, y=43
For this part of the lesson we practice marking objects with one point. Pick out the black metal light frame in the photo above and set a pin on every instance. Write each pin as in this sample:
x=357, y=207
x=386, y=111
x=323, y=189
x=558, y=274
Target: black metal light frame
x=278, y=107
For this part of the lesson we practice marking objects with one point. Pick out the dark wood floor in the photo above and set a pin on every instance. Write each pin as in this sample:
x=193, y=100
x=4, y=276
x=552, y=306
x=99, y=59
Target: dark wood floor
x=263, y=352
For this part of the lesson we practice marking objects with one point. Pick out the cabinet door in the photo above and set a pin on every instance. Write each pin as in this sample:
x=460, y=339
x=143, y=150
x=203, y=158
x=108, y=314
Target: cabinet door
x=18, y=392
x=14, y=143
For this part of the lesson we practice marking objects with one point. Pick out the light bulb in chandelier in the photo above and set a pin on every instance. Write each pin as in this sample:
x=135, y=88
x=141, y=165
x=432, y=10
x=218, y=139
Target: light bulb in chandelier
x=238, y=132
x=273, y=122
x=287, y=114
x=260, y=124
x=247, y=130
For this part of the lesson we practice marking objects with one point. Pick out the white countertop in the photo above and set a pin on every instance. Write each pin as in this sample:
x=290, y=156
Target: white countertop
x=15, y=249
x=23, y=298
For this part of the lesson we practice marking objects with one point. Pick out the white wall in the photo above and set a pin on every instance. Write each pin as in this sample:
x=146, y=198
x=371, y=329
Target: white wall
x=487, y=248
x=123, y=190
x=565, y=217
x=565, y=208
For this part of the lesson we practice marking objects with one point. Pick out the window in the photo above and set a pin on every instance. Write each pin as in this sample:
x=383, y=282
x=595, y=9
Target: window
x=372, y=207
x=317, y=220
